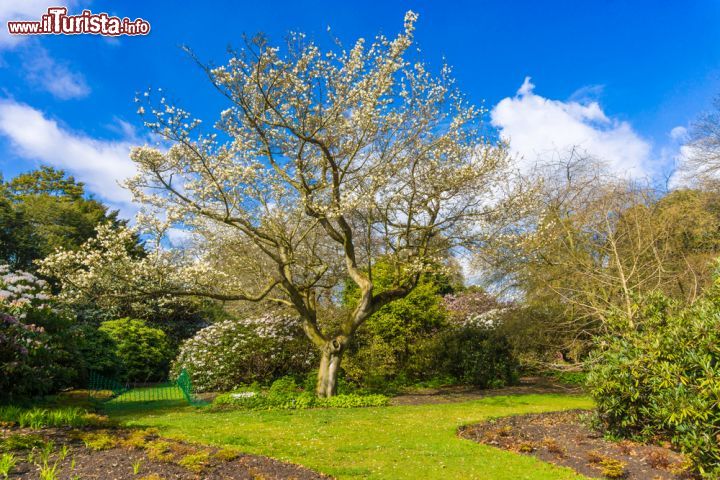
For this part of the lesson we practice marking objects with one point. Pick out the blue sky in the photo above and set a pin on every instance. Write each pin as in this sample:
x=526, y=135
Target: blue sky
x=616, y=77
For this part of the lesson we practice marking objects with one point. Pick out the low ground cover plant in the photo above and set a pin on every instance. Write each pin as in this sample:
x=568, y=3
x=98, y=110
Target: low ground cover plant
x=7, y=463
x=284, y=394
x=37, y=417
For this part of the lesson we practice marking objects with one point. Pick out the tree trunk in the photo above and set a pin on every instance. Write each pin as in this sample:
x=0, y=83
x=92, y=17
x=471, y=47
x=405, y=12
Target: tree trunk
x=330, y=367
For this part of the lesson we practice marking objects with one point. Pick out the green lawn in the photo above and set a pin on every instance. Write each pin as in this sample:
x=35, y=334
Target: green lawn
x=409, y=442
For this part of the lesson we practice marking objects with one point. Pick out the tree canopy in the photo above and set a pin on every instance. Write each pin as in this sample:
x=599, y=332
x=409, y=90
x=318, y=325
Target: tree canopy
x=43, y=210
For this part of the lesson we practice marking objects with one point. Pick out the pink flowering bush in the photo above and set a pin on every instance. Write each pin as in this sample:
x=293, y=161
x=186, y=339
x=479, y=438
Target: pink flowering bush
x=36, y=347
x=21, y=348
x=473, y=306
x=235, y=352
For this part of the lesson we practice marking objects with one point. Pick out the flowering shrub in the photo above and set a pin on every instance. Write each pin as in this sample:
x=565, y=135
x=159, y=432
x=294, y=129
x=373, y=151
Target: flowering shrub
x=21, y=346
x=36, y=347
x=21, y=292
x=235, y=352
x=473, y=307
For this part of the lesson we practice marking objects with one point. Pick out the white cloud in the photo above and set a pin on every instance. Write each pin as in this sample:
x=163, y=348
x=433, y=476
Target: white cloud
x=23, y=10
x=45, y=72
x=101, y=164
x=587, y=93
x=540, y=130
x=678, y=153
x=679, y=133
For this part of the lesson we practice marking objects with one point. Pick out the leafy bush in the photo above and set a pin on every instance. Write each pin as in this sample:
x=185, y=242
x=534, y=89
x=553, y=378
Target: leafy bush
x=144, y=352
x=571, y=378
x=390, y=347
x=662, y=378
x=98, y=351
x=237, y=352
x=284, y=394
x=22, y=347
x=435, y=334
x=475, y=354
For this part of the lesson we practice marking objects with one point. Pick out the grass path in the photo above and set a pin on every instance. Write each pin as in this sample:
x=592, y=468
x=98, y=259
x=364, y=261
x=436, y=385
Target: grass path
x=402, y=442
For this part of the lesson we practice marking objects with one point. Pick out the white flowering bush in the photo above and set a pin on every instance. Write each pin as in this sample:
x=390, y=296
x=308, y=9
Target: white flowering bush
x=22, y=291
x=234, y=352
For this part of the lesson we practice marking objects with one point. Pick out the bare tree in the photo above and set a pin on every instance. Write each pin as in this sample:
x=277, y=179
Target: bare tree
x=701, y=152
x=597, y=243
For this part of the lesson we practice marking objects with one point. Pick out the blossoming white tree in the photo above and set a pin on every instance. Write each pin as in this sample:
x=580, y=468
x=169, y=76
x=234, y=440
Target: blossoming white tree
x=322, y=163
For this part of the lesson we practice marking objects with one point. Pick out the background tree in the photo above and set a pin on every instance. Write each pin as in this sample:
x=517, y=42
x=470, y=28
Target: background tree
x=322, y=163
x=43, y=210
x=595, y=244
x=701, y=155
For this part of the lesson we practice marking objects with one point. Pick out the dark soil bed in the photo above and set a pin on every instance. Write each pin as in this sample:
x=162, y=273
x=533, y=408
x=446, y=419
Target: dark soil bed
x=565, y=438
x=116, y=454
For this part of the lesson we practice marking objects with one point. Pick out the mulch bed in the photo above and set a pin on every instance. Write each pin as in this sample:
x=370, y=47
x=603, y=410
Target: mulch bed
x=157, y=458
x=565, y=438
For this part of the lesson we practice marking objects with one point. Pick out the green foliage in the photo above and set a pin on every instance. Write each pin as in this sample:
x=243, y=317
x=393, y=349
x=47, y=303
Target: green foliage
x=612, y=468
x=425, y=337
x=46, y=181
x=662, y=378
x=48, y=472
x=195, y=462
x=43, y=210
x=226, y=455
x=474, y=354
x=98, y=351
x=241, y=351
x=300, y=401
x=390, y=345
x=144, y=352
x=571, y=378
x=18, y=442
x=159, y=450
x=99, y=441
x=7, y=463
x=54, y=417
x=284, y=394
x=352, y=401
x=18, y=240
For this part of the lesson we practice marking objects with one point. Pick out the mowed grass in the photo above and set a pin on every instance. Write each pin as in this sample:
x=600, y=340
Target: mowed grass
x=403, y=442
x=142, y=399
